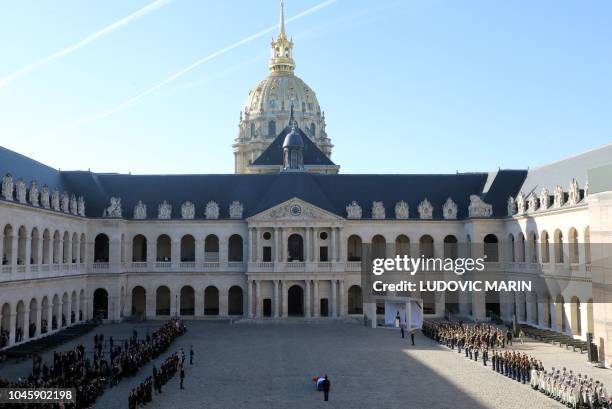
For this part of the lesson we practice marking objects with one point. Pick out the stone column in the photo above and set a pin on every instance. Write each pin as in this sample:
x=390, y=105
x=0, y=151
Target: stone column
x=12, y=327
x=199, y=254
x=283, y=247
x=308, y=247
x=40, y=246
x=250, y=298
x=14, y=249
x=150, y=309
x=256, y=244
x=315, y=245
x=198, y=303
x=315, y=296
x=258, y=302
x=39, y=319
x=307, y=312
x=275, y=253
x=276, y=299
x=343, y=306
x=28, y=254
x=333, y=245
x=284, y=298
x=151, y=253
x=69, y=255
x=223, y=251
x=334, y=299
x=175, y=252
x=223, y=302
x=251, y=244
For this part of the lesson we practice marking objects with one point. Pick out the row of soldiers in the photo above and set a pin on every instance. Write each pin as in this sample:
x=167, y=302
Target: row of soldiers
x=454, y=334
x=142, y=394
x=575, y=391
x=128, y=360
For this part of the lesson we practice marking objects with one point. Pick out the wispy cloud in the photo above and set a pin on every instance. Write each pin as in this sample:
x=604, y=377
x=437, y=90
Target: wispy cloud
x=87, y=40
x=194, y=65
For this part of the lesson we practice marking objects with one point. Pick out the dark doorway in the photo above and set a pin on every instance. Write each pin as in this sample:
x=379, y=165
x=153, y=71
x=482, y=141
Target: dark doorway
x=267, y=307
x=296, y=301
x=100, y=303
x=235, y=301
x=324, y=307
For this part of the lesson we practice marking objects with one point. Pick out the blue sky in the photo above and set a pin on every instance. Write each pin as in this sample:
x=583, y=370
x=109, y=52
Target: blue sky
x=407, y=86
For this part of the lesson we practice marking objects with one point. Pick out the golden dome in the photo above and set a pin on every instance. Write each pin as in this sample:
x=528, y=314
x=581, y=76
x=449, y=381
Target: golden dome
x=276, y=94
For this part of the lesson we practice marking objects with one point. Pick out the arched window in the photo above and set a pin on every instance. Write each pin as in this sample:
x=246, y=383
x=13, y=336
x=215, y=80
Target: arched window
x=491, y=248
x=533, y=248
x=66, y=248
x=313, y=129
x=7, y=250
x=379, y=247
x=573, y=248
x=355, y=303
x=211, y=301
x=139, y=302
x=545, y=247
x=426, y=246
x=188, y=249
x=521, y=248
x=57, y=250
x=450, y=247
x=295, y=247
x=82, y=251
x=353, y=248
x=162, y=301
x=402, y=245
x=164, y=248
x=252, y=129
x=47, y=251
x=139, y=249
x=272, y=128
x=235, y=247
x=101, y=245
x=75, y=248
x=558, y=246
x=35, y=256
x=21, y=245
x=187, y=300
x=211, y=248
x=587, y=248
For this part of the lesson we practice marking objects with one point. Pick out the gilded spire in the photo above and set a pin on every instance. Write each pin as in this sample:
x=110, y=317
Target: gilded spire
x=282, y=48
x=281, y=25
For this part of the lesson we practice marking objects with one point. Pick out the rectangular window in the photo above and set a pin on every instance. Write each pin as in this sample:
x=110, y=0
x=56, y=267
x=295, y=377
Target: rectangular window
x=267, y=254
x=323, y=254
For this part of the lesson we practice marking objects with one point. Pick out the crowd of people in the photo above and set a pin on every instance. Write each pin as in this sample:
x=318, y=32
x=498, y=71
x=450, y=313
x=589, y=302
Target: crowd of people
x=488, y=341
x=143, y=393
x=73, y=369
x=70, y=369
x=573, y=390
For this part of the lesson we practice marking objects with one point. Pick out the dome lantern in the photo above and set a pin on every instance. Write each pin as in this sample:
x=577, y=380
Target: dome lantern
x=282, y=48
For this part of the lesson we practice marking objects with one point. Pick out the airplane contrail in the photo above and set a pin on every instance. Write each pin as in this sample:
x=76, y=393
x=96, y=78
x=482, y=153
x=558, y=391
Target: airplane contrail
x=199, y=62
x=87, y=40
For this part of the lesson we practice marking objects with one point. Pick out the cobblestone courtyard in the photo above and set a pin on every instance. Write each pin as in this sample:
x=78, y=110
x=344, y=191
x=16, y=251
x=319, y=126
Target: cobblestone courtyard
x=270, y=366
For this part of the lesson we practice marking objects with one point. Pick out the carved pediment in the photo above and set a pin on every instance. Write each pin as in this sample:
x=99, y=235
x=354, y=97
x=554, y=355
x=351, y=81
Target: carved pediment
x=294, y=210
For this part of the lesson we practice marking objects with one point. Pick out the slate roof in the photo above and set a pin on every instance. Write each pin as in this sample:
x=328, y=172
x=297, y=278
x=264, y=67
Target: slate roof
x=273, y=155
x=259, y=192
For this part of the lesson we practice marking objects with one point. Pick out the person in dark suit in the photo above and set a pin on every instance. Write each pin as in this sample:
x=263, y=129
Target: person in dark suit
x=182, y=376
x=412, y=337
x=326, y=386
x=191, y=353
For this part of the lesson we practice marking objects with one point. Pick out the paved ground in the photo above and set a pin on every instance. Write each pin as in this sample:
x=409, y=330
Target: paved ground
x=270, y=366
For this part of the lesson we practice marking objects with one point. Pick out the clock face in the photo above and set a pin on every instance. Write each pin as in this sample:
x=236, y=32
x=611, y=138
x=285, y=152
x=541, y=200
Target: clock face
x=295, y=210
